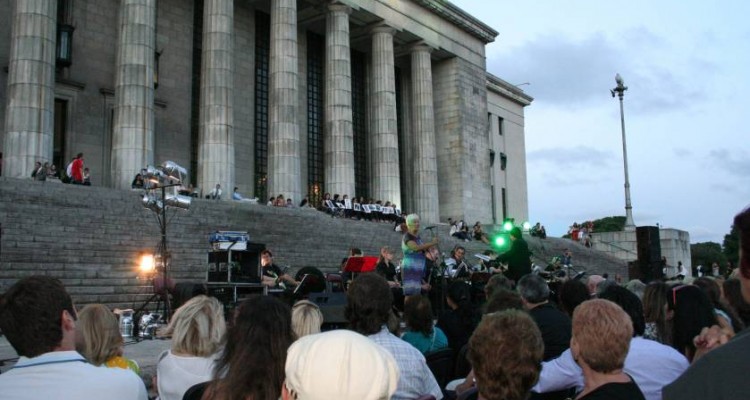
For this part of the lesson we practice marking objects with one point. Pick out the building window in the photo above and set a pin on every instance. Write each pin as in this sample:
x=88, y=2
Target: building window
x=60, y=134
x=359, y=122
x=501, y=125
x=504, y=198
x=262, y=54
x=503, y=161
x=64, y=49
x=315, y=123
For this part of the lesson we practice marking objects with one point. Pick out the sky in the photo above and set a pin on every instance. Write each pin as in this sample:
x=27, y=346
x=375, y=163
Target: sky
x=686, y=66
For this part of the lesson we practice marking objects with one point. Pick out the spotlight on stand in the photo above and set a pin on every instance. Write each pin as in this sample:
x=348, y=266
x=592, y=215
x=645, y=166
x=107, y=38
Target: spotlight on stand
x=178, y=201
x=147, y=264
x=154, y=174
x=152, y=202
x=526, y=226
x=174, y=172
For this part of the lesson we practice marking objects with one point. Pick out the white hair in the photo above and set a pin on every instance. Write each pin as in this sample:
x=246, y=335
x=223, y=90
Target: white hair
x=411, y=219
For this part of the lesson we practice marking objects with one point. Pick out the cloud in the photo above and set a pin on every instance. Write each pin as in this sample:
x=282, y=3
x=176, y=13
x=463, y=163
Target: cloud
x=682, y=152
x=571, y=157
x=571, y=73
x=733, y=162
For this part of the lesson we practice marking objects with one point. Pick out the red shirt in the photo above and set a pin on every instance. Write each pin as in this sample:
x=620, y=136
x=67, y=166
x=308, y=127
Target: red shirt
x=77, y=168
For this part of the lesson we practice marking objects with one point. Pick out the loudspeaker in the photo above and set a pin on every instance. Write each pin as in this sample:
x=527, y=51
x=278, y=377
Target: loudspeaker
x=332, y=306
x=649, y=252
x=244, y=265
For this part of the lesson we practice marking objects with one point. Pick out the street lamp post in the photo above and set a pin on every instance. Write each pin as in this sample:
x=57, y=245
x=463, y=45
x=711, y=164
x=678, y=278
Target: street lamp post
x=620, y=91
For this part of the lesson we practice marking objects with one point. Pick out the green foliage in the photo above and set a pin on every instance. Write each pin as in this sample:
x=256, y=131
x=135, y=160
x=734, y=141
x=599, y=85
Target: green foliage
x=707, y=253
x=606, y=224
x=732, y=246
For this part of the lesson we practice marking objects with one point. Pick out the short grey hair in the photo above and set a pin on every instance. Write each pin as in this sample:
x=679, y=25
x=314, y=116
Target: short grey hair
x=533, y=288
x=411, y=218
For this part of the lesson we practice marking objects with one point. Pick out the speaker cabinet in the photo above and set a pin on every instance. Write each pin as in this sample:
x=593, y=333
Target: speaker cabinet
x=332, y=306
x=235, y=266
x=649, y=252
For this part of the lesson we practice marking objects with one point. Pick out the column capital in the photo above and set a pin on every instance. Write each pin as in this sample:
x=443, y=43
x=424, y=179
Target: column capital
x=382, y=27
x=337, y=6
x=420, y=46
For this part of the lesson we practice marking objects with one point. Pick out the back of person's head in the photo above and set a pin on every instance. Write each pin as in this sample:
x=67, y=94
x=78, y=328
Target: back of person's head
x=341, y=365
x=692, y=311
x=572, y=293
x=601, y=335
x=630, y=303
x=306, y=318
x=742, y=224
x=655, y=309
x=252, y=362
x=710, y=288
x=197, y=327
x=533, y=288
x=418, y=314
x=501, y=300
x=515, y=232
x=355, y=252
x=98, y=334
x=31, y=315
x=592, y=282
x=733, y=296
x=368, y=303
x=506, y=352
x=636, y=286
x=497, y=282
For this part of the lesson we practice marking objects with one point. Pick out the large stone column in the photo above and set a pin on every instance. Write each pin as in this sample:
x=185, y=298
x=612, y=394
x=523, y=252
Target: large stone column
x=423, y=123
x=216, y=147
x=386, y=184
x=283, y=134
x=133, y=133
x=339, y=137
x=29, y=114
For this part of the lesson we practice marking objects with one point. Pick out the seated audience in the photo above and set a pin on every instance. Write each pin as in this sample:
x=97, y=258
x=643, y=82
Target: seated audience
x=651, y=364
x=538, y=231
x=86, y=177
x=655, y=313
x=479, y=234
x=197, y=330
x=601, y=339
x=215, y=193
x=368, y=307
x=98, y=338
x=571, y=294
x=38, y=319
x=505, y=352
x=251, y=365
x=721, y=374
x=306, y=318
x=732, y=294
x=341, y=365
x=421, y=332
x=289, y=203
x=457, y=231
x=495, y=283
x=636, y=286
x=554, y=325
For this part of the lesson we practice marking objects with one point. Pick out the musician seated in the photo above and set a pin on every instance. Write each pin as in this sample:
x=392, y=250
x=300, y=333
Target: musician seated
x=386, y=268
x=272, y=275
x=456, y=266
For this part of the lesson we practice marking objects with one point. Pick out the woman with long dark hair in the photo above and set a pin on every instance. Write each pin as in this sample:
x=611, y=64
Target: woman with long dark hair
x=251, y=366
x=655, y=312
x=691, y=311
x=725, y=314
x=460, y=319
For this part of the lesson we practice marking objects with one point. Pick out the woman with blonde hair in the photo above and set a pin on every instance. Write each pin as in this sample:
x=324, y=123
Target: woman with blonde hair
x=306, y=318
x=99, y=340
x=197, y=329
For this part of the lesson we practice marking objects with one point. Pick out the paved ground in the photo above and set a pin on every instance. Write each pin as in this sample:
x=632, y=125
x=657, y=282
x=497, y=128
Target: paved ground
x=144, y=352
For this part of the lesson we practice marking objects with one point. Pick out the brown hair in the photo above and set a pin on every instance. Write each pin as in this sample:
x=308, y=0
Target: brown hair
x=418, y=314
x=98, y=334
x=506, y=353
x=602, y=330
x=31, y=313
x=655, y=310
x=503, y=299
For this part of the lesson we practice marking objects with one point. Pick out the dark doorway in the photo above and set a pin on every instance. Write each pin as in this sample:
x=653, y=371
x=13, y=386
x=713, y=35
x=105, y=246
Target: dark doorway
x=61, y=134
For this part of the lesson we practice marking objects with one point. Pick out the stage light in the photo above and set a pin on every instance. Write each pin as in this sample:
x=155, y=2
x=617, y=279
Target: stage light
x=526, y=226
x=507, y=226
x=178, y=200
x=147, y=264
x=173, y=171
x=152, y=202
x=500, y=242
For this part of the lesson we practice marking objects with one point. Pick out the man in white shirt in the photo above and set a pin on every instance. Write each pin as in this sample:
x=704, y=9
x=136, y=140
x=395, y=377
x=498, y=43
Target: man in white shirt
x=215, y=193
x=38, y=318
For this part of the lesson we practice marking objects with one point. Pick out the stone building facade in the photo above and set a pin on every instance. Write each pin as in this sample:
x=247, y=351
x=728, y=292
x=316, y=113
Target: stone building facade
x=387, y=100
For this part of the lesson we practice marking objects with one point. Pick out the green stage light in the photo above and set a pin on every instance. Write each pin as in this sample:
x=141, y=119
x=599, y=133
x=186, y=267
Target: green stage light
x=507, y=226
x=500, y=241
x=526, y=226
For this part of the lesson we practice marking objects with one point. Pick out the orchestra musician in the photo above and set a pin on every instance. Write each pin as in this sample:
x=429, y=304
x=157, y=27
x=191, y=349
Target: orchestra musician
x=272, y=275
x=456, y=266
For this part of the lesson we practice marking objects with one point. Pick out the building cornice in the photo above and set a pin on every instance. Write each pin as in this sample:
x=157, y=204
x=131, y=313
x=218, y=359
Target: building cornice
x=509, y=90
x=460, y=18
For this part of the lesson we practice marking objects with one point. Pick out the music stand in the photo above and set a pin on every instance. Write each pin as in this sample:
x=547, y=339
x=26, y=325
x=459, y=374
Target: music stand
x=361, y=264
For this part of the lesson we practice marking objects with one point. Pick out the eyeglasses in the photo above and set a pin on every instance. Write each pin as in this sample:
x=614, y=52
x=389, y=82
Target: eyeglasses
x=674, y=294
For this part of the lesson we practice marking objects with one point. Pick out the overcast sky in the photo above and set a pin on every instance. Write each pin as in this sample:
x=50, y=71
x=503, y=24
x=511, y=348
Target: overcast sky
x=686, y=65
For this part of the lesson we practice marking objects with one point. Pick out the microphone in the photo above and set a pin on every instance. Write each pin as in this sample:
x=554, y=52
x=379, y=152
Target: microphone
x=429, y=228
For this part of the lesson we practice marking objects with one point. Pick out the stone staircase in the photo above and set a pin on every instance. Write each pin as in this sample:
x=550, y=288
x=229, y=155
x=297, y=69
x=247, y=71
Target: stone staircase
x=92, y=237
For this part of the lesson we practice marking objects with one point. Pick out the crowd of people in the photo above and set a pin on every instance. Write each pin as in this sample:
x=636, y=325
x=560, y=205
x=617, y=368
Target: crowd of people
x=75, y=172
x=592, y=339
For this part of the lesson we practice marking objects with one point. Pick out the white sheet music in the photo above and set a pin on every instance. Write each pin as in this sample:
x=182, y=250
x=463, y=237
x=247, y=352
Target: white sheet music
x=357, y=207
x=348, y=204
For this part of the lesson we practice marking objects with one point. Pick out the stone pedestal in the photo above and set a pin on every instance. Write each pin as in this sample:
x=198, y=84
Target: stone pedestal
x=339, y=136
x=283, y=134
x=133, y=132
x=423, y=122
x=216, y=151
x=31, y=88
x=386, y=184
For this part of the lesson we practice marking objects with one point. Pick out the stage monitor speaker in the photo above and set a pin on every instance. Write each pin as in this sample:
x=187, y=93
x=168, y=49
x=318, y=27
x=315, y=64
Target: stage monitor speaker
x=332, y=306
x=649, y=252
x=244, y=265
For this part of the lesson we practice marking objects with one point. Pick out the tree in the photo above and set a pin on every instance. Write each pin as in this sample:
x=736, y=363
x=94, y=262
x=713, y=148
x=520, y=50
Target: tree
x=732, y=246
x=707, y=253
